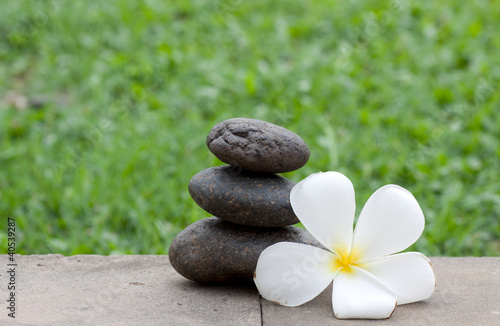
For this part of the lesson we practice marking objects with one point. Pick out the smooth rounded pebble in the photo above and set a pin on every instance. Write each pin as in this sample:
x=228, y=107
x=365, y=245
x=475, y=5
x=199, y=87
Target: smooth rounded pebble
x=257, y=145
x=244, y=197
x=215, y=251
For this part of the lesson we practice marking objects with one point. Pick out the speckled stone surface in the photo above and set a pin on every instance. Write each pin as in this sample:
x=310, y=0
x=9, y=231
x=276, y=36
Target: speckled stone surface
x=215, y=251
x=244, y=197
x=141, y=290
x=257, y=145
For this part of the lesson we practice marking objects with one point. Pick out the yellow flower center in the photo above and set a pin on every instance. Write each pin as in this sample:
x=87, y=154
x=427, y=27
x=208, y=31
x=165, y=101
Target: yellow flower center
x=344, y=260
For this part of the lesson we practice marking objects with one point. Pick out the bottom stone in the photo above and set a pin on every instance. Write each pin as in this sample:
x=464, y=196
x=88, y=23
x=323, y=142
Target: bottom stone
x=215, y=251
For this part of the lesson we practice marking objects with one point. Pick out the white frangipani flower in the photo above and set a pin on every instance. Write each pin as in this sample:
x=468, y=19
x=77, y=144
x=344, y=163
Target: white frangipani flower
x=369, y=280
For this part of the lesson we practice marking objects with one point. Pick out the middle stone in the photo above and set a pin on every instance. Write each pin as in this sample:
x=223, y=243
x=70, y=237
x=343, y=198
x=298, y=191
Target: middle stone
x=244, y=197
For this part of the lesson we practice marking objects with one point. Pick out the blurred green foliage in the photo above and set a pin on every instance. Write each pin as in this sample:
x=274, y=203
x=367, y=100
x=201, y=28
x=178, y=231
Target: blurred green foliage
x=104, y=110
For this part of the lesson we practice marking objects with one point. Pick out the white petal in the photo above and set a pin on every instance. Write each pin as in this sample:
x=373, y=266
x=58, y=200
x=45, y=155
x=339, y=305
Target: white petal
x=292, y=274
x=324, y=203
x=409, y=275
x=391, y=221
x=358, y=294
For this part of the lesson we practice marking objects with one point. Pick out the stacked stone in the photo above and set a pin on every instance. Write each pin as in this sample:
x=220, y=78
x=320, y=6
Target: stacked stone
x=250, y=201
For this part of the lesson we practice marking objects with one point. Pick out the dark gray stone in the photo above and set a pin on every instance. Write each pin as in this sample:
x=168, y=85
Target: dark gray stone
x=244, y=197
x=215, y=251
x=257, y=145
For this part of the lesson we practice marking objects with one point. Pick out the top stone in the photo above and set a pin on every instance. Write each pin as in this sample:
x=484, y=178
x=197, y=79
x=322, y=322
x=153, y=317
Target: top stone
x=257, y=145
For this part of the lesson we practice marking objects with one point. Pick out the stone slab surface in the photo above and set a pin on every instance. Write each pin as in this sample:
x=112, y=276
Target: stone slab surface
x=145, y=290
x=120, y=290
x=467, y=293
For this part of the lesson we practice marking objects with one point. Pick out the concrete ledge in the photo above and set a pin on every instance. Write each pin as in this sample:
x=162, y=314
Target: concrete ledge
x=145, y=290
x=467, y=293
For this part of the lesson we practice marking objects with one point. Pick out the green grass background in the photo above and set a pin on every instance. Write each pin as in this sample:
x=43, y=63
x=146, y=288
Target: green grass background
x=105, y=107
